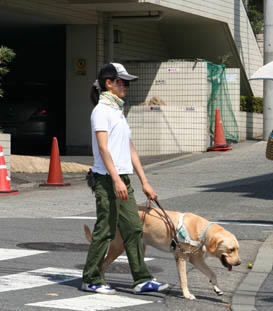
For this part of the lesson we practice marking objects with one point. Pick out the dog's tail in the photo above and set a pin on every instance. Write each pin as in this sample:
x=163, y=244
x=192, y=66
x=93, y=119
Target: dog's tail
x=88, y=233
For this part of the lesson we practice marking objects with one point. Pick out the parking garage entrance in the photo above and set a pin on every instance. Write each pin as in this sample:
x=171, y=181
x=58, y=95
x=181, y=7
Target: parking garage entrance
x=33, y=106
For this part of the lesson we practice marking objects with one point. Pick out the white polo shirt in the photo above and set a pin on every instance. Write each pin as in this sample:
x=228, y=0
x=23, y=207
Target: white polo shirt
x=106, y=117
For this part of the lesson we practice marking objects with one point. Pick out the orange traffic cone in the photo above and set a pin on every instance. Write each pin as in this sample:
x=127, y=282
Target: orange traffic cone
x=220, y=143
x=4, y=178
x=55, y=178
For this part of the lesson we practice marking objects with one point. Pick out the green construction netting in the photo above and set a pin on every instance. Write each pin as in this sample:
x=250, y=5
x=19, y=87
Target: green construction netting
x=219, y=97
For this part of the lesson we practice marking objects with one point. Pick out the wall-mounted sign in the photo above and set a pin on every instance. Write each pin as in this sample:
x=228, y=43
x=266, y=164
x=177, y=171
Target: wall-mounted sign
x=231, y=77
x=81, y=66
x=160, y=82
x=190, y=108
x=173, y=70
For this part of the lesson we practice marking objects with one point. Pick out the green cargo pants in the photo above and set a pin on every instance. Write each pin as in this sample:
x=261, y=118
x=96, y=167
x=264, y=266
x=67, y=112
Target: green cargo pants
x=113, y=213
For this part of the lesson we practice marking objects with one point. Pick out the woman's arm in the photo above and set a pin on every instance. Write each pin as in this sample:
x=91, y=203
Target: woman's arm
x=147, y=189
x=119, y=186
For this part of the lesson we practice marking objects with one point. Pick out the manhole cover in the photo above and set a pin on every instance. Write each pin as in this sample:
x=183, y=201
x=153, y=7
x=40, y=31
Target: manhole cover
x=55, y=246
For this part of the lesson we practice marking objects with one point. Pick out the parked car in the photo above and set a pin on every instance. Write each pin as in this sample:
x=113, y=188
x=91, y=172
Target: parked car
x=24, y=113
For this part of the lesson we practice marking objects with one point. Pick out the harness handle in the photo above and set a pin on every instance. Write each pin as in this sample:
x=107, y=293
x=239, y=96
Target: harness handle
x=174, y=242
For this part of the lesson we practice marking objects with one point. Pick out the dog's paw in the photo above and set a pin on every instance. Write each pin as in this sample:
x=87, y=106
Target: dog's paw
x=218, y=291
x=188, y=295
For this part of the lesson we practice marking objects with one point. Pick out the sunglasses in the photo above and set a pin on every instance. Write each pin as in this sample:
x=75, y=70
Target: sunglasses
x=123, y=83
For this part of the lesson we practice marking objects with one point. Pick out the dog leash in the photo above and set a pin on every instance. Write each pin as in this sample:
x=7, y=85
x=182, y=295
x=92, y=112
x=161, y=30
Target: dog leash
x=174, y=242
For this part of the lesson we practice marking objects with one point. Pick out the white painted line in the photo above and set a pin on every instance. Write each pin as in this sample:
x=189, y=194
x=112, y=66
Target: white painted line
x=37, y=278
x=7, y=253
x=94, y=302
x=75, y=217
x=241, y=223
x=124, y=259
x=216, y=222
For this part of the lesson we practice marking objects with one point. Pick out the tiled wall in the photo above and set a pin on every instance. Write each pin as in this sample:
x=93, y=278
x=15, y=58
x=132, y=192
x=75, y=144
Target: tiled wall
x=167, y=107
x=233, y=13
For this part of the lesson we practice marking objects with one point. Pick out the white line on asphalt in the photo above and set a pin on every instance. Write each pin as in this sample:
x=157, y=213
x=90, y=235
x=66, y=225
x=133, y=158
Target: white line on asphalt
x=92, y=302
x=37, y=278
x=7, y=253
x=75, y=217
x=125, y=259
x=217, y=222
x=241, y=223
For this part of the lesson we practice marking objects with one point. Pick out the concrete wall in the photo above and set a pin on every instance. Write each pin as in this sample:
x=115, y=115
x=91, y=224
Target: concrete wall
x=5, y=143
x=51, y=12
x=81, y=44
x=141, y=41
x=250, y=125
x=260, y=41
x=231, y=12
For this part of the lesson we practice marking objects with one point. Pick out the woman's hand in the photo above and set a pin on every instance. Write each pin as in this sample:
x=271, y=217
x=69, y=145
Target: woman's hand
x=149, y=191
x=121, y=190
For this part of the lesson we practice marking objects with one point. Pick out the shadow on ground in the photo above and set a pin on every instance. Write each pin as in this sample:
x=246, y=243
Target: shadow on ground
x=259, y=187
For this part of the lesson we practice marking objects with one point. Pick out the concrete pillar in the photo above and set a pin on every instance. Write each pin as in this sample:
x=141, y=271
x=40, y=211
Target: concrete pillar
x=268, y=57
x=109, y=39
x=80, y=47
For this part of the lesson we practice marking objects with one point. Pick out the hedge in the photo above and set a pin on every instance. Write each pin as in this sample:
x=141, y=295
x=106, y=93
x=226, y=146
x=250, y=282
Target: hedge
x=251, y=104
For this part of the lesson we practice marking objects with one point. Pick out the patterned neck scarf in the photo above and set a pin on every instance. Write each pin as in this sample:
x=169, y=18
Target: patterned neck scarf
x=114, y=99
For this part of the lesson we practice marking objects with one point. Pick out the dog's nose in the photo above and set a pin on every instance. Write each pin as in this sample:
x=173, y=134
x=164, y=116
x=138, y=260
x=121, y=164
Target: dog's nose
x=238, y=263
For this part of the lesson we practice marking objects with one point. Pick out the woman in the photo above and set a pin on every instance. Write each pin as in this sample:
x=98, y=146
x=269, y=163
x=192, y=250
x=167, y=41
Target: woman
x=114, y=158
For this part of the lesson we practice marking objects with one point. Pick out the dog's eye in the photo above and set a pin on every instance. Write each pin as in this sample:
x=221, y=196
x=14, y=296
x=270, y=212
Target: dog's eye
x=232, y=250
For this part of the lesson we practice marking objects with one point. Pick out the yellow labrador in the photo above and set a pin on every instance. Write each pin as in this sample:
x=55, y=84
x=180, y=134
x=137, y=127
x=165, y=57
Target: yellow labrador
x=198, y=237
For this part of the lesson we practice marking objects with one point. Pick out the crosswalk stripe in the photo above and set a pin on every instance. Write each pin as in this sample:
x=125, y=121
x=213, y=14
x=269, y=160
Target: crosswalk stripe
x=94, y=302
x=124, y=259
x=242, y=223
x=37, y=278
x=7, y=253
x=76, y=217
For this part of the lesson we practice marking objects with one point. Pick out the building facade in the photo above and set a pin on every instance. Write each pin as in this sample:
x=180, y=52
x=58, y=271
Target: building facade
x=94, y=32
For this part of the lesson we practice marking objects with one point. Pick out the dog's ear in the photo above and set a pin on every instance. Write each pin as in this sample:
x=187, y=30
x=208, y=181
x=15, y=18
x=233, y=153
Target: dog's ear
x=214, y=241
x=212, y=245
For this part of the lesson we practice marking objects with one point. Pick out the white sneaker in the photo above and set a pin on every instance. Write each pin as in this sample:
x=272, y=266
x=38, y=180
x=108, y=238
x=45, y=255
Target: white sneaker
x=101, y=289
x=150, y=286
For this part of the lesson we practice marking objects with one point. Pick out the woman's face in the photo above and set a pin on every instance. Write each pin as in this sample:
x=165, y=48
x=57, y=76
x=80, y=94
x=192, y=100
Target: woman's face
x=118, y=87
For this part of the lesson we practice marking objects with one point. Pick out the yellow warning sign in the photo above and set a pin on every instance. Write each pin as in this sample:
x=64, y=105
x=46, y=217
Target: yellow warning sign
x=81, y=66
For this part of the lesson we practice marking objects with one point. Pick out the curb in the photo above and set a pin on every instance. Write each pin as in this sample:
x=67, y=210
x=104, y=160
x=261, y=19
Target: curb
x=245, y=295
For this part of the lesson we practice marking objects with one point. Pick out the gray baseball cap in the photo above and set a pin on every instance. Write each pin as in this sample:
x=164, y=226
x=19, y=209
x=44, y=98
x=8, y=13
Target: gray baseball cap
x=122, y=72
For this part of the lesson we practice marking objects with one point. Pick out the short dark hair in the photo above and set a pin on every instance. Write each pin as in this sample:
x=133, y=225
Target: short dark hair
x=108, y=71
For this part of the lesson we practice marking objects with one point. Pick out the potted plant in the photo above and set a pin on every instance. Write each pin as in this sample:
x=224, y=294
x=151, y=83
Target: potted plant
x=6, y=56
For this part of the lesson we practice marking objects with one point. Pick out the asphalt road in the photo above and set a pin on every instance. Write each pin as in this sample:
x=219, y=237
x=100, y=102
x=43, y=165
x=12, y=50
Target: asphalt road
x=43, y=248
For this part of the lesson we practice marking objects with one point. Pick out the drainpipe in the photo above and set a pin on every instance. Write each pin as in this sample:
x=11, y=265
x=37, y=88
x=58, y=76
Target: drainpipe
x=268, y=57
